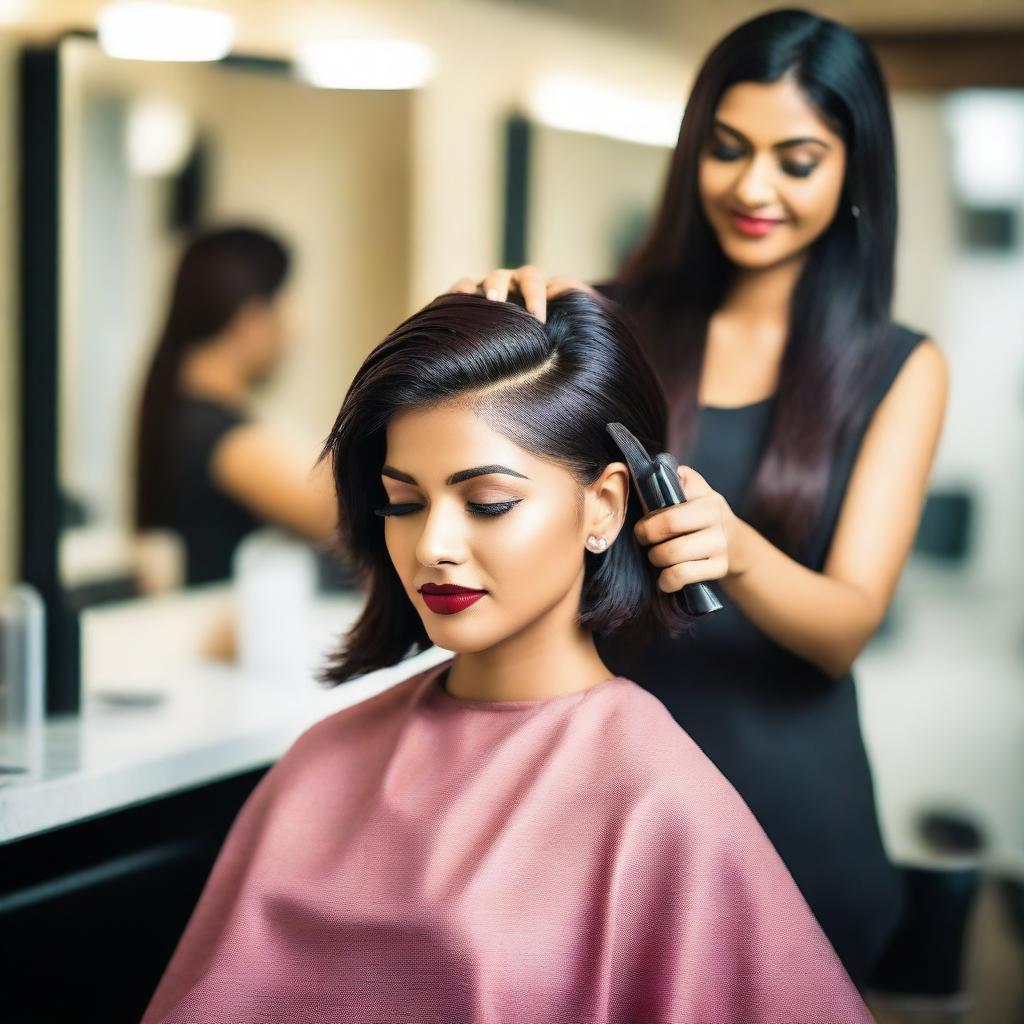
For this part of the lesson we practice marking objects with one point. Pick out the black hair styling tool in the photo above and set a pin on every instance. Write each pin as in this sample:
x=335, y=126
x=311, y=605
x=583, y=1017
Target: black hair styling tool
x=657, y=483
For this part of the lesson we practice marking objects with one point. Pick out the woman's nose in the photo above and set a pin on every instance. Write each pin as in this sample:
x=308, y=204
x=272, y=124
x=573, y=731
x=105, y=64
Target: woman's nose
x=443, y=538
x=755, y=187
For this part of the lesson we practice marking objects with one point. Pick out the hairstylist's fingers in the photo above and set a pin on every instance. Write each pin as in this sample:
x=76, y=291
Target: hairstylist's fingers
x=673, y=521
x=533, y=287
x=467, y=285
x=496, y=285
x=706, y=543
x=675, y=577
x=693, y=484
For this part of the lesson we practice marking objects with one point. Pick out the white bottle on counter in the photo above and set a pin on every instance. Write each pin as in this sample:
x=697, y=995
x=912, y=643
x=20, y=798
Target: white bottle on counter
x=22, y=679
x=275, y=583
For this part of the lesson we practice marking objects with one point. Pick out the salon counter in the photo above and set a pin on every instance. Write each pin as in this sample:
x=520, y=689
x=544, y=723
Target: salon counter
x=943, y=729
x=197, y=724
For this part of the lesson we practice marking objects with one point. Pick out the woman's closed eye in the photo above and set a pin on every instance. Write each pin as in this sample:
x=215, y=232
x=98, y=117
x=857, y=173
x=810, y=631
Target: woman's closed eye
x=397, y=508
x=490, y=509
x=721, y=152
x=730, y=153
x=493, y=508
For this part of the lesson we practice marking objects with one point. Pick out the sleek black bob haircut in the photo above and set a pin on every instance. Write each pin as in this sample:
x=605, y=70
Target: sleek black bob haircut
x=549, y=387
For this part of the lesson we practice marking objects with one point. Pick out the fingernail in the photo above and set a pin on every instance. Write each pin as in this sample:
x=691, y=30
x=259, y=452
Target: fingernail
x=492, y=293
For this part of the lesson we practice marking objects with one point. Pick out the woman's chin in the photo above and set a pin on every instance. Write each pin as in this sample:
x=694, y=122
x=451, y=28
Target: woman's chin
x=752, y=256
x=459, y=638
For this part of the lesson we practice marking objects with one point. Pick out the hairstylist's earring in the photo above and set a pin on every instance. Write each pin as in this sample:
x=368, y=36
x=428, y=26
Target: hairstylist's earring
x=855, y=209
x=596, y=544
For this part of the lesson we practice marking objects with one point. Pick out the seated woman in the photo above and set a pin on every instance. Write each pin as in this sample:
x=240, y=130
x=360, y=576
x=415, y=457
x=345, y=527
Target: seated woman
x=515, y=834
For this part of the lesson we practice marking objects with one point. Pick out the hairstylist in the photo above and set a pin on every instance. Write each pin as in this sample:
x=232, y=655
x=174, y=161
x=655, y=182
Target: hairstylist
x=807, y=423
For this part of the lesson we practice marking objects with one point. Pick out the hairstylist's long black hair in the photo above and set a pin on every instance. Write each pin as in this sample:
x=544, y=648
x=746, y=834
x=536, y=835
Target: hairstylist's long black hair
x=220, y=270
x=551, y=388
x=840, y=310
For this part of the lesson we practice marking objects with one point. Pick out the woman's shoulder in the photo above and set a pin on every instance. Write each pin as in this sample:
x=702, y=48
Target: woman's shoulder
x=645, y=748
x=916, y=363
x=907, y=354
x=904, y=341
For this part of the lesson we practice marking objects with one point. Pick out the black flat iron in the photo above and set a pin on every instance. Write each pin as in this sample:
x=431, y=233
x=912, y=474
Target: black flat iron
x=657, y=484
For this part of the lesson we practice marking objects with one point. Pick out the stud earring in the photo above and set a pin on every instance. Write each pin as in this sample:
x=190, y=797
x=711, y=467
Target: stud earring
x=596, y=544
x=855, y=209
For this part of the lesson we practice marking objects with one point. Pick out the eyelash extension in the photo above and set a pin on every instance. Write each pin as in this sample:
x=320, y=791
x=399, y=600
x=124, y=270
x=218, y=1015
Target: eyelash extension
x=397, y=510
x=497, y=508
x=796, y=170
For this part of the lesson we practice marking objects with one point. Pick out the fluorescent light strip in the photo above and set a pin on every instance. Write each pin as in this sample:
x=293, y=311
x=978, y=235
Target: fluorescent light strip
x=150, y=30
x=365, y=64
x=578, y=105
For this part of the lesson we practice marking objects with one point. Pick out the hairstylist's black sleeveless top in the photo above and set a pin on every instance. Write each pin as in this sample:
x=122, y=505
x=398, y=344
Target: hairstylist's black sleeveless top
x=209, y=521
x=784, y=733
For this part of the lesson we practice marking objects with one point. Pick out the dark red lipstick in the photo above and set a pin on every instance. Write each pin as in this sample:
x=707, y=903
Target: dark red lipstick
x=447, y=598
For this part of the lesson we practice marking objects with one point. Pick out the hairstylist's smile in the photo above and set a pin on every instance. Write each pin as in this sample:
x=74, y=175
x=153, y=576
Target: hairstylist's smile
x=447, y=598
x=753, y=226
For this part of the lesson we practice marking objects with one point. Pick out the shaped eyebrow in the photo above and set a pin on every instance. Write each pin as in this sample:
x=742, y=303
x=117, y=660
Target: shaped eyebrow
x=455, y=478
x=786, y=144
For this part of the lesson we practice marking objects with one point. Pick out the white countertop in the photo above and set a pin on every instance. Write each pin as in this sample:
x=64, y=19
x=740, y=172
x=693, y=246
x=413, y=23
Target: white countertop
x=214, y=721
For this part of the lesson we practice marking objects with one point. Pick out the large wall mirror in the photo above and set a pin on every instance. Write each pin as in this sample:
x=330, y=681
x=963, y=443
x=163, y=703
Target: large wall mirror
x=139, y=156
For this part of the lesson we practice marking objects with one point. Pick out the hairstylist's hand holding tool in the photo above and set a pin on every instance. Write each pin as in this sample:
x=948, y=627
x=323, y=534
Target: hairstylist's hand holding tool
x=696, y=541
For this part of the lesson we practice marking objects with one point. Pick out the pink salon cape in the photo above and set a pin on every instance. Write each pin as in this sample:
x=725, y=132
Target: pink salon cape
x=421, y=859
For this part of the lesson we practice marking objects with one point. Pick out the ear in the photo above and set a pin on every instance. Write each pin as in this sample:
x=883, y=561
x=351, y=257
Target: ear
x=605, y=502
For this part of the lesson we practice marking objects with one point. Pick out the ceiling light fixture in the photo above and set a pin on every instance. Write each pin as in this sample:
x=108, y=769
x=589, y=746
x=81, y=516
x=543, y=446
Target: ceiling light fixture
x=151, y=30
x=581, y=105
x=365, y=64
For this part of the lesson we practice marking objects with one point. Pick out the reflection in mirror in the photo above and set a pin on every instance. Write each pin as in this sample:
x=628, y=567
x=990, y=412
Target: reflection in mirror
x=152, y=155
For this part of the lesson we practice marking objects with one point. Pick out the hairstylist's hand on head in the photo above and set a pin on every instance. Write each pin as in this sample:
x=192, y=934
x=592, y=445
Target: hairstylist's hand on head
x=694, y=542
x=529, y=281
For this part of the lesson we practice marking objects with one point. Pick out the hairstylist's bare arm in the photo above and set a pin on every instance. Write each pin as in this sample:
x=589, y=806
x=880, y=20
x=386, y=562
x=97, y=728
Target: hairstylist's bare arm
x=529, y=281
x=274, y=482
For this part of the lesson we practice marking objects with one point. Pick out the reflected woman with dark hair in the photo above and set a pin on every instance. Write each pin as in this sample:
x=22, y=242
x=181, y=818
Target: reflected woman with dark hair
x=205, y=468
x=807, y=422
x=517, y=833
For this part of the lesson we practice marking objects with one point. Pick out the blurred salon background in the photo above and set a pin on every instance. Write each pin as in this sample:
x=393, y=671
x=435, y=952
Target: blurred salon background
x=343, y=163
